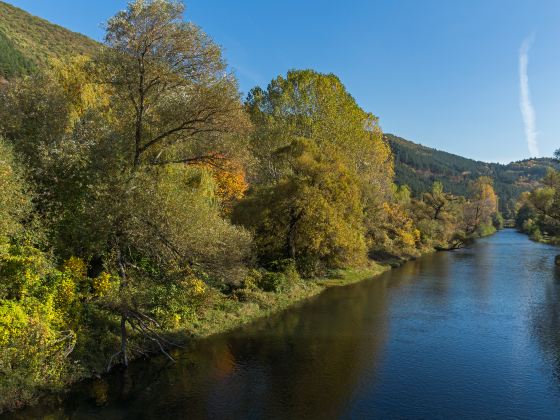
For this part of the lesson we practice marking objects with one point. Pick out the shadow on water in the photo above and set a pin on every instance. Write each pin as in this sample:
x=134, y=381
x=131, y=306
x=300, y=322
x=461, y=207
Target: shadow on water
x=546, y=322
x=471, y=333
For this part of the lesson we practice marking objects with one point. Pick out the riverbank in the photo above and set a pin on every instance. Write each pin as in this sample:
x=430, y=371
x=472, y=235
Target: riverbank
x=248, y=305
x=221, y=313
x=218, y=313
x=394, y=328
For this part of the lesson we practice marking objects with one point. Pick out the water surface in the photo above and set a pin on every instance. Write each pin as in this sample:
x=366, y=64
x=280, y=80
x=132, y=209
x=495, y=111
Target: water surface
x=473, y=333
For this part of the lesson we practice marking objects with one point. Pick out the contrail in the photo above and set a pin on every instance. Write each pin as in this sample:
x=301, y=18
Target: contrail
x=527, y=110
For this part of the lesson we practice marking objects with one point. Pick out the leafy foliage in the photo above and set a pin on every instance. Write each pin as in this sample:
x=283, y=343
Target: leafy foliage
x=12, y=61
x=129, y=203
x=307, y=104
x=312, y=215
x=538, y=211
x=15, y=203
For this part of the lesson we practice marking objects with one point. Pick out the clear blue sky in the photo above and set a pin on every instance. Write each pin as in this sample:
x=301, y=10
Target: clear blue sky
x=443, y=73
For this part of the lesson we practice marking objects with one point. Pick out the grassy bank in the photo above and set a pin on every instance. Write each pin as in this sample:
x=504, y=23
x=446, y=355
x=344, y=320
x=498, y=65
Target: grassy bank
x=350, y=276
x=245, y=306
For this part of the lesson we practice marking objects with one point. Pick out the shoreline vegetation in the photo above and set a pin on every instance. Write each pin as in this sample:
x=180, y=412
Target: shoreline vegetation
x=145, y=202
x=218, y=321
x=538, y=211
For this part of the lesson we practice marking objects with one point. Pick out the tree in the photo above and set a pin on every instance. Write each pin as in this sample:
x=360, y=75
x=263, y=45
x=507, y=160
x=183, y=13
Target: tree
x=482, y=205
x=313, y=214
x=437, y=200
x=15, y=200
x=317, y=106
x=394, y=233
x=438, y=217
x=177, y=106
x=123, y=186
x=169, y=86
x=539, y=210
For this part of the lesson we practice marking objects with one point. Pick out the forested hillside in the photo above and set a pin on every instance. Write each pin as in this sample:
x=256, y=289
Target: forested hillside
x=27, y=41
x=418, y=167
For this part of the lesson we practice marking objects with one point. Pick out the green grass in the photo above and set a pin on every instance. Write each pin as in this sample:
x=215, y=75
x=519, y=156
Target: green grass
x=229, y=312
x=226, y=313
x=350, y=276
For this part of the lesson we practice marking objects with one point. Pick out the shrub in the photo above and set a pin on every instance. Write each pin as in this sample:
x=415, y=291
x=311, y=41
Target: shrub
x=273, y=282
x=33, y=355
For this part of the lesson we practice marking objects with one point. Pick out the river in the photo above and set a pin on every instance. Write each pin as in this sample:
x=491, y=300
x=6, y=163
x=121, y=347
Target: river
x=472, y=333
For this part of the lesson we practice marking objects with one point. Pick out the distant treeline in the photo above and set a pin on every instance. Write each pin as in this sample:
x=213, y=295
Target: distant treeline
x=418, y=167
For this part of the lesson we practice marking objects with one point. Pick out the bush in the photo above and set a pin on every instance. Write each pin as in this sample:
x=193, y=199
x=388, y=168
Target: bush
x=33, y=355
x=282, y=276
x=498, y=221
x=252, y=279
x=273, y=282
x=485, y=229
x=532, y=229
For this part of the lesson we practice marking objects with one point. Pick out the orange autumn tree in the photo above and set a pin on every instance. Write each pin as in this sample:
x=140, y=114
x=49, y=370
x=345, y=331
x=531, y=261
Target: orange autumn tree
x=230, y=178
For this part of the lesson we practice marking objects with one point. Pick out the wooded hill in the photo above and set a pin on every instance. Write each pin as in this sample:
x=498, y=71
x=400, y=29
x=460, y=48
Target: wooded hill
x=419, y=166
x=28, y=42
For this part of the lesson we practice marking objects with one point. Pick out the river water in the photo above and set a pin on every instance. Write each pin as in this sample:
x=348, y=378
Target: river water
x=472, y=333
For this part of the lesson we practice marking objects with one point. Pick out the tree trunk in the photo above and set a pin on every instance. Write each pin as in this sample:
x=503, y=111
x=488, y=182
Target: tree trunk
x=122, y=288
x=291, y=240
x=123, y=340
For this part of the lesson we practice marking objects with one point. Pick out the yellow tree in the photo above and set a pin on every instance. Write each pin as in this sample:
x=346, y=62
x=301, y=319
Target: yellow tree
x=313, y=214
x=482, y=204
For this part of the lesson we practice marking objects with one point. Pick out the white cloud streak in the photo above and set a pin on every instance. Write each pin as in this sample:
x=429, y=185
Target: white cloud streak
x=527, y=110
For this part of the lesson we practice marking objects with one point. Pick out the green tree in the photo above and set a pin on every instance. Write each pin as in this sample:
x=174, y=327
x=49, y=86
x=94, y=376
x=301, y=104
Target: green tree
x=313, y=214
x=169, y=85
x=176, y=106
x=481, y=206
x=122, y=186
x=539, y=210
x=15, y=201
x=439, y=216
x=317, y=106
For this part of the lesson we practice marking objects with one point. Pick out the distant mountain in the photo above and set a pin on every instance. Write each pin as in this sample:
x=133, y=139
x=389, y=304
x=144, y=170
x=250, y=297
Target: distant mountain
x=419, y=166
x=28, y=42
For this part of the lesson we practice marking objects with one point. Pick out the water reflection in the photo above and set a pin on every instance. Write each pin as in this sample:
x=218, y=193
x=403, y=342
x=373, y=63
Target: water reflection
x=546, y=321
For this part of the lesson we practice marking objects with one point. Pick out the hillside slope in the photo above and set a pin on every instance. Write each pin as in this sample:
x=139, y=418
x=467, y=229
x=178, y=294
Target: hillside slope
x=28, y=42
x=419, y=166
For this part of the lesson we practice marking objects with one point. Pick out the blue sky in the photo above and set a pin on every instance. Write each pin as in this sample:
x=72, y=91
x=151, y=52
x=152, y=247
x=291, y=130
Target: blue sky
x=440, y=72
